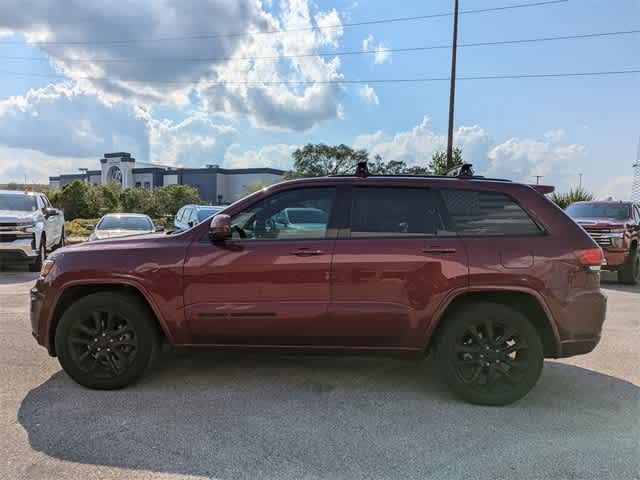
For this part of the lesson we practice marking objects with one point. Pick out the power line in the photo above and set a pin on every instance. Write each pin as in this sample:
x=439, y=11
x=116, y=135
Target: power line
x=328, y=54
x=298, y=29
x=346, y=81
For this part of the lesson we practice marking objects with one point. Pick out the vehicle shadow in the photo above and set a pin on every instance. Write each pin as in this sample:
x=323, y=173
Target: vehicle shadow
x=230, y=415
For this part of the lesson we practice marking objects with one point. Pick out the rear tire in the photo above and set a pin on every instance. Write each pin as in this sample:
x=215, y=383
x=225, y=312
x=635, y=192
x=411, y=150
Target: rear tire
x=106, y=340
x=489, y=354
x=629, y=274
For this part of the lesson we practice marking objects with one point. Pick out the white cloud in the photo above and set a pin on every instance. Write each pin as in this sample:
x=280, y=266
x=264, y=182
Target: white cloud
x=274, y=156
x=223, y=22
x=193, y=142
x=619, y=188
x=369, y=95
x=555, y=134
x=382, y=53
x=16, y=164
x=60, y=120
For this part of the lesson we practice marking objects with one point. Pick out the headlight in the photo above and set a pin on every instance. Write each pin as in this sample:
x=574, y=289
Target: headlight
x=47, y=266
x=617, y=242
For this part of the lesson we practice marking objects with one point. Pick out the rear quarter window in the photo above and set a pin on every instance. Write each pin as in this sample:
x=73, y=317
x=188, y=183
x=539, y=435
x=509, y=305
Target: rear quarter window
x=475, y=213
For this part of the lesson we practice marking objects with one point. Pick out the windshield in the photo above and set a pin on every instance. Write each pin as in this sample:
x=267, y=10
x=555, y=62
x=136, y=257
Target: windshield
x=599, y=210
x=307, y=215
x=125, y=223
x=23, y=203
x=207, y=212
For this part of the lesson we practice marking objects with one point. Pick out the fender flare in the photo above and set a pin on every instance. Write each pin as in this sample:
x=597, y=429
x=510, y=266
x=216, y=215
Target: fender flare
x=454, y=294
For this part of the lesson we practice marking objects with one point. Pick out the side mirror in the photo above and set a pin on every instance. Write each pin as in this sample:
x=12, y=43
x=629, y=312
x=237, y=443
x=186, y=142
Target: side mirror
x=50, y=212
x=190, y=223
x=220, y=228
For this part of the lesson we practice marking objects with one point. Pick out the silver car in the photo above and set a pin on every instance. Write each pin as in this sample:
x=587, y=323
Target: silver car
x=122, y=225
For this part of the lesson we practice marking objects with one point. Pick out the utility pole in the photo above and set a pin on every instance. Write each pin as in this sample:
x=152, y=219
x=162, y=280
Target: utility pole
x=452, y=88
x=538, y=177
x=580, y=181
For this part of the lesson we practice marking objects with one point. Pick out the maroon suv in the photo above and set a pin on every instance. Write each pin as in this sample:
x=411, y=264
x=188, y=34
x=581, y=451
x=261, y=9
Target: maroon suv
x=488, y=274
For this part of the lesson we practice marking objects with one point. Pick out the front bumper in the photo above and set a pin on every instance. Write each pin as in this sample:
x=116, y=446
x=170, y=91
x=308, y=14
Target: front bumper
x=19, y=250
x=615, y=258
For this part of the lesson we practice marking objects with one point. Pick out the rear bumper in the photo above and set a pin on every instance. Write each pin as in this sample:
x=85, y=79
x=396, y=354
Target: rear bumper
x=580, y=323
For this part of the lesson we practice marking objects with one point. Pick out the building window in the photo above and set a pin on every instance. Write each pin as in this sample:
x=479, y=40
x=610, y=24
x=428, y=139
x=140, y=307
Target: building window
x=147, y=185
x=138, y=184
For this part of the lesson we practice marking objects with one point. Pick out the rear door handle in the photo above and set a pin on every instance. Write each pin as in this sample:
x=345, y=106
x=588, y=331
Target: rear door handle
x=306, y=252
x=438, y=250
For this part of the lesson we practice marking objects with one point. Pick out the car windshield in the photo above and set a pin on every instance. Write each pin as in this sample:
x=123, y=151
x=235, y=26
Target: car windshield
x=207, y=212
x=125, y=223
x=598, y=210
x=307, y=215
x=23, y=203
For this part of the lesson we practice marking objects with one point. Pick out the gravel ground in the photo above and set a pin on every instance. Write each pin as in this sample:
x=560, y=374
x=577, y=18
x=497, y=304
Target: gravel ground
x=233, y=416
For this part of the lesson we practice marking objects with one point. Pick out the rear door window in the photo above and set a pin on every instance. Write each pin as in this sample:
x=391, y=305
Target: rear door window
x=474, y=213
x=391, y=212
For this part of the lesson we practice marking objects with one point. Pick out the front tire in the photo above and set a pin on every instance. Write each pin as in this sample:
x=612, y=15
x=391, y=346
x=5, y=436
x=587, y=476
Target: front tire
x=106, y=340
x=36, y=266
x=629, y=274
x=489, y=354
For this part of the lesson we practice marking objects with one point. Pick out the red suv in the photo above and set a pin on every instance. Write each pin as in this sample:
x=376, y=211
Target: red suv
x=487, y=274
x=615, y=226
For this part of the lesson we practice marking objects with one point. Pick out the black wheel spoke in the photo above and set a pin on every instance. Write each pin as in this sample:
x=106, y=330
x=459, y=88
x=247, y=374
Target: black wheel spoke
x=79, y=341
x=86, y=330
x=506, y=374
x=466, y=348
x=470, y=361
x=95, y=317
x=488, y=330
x=505, y=336
x=472, y=329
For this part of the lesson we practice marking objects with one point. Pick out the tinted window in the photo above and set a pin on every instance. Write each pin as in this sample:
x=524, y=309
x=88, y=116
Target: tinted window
x=179, y=215
x=264, y=220
x=25, y=203
x=125, y=223
x=479, y=213
x=598, y=210
x=307, y=215
x=207, y=212
x=394, y=212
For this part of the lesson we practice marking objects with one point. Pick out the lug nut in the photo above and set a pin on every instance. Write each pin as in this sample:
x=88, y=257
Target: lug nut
x=98, y=349
x=95, y=339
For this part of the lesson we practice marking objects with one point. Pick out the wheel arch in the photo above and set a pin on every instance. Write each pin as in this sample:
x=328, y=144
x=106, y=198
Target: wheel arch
x=75, y=292
x=524, y=301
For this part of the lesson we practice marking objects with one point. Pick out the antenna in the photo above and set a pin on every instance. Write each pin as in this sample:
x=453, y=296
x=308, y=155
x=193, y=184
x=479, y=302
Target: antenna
x=635, y=188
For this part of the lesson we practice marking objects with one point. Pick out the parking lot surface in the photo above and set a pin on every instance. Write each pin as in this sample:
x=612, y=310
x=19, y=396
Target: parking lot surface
x=237, y=416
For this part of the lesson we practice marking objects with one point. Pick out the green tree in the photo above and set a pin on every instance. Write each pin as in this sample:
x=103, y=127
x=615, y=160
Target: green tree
x=74, y=199
x=169, y=199
x=578, y=194
x=104, y=199
x=438, y=163
x=321, y=160
x=138, y=200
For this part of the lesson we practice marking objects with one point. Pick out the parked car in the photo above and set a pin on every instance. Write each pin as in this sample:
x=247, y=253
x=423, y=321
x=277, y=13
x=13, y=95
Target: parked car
x=29, y=228
x=191, y=215
x=487, y=274
x=615, y=226
x=122, y=225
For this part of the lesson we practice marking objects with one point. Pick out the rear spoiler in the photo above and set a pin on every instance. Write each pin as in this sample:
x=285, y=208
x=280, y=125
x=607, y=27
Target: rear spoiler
x=544, y=189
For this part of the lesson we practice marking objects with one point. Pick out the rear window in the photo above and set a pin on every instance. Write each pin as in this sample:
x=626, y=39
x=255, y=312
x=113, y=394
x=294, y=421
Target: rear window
x=207, y=212
x=481, y=213
x=125, y=223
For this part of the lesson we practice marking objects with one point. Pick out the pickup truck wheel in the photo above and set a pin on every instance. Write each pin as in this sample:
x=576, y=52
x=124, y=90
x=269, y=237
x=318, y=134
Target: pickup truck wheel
x=630, y=272
x=36, y=266
x=106, y=340
x=489, y=354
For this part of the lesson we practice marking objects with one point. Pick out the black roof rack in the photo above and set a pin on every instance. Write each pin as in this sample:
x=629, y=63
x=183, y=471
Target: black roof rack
x=463, y=172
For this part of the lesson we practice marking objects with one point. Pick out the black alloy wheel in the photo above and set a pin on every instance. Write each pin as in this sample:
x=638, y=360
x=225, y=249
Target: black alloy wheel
x=630, y=272
x=490, y=354
x=106, y=340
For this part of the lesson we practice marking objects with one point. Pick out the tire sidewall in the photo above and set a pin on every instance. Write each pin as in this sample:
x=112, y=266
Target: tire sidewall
x=126, y=306
x=455, y=327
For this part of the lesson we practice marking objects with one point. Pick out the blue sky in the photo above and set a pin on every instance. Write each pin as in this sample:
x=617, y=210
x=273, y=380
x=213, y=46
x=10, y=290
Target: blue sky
x=556, y=127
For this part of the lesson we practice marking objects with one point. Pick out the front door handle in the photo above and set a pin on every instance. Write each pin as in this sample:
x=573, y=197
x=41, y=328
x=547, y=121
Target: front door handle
x=306, y=252
x=438, y=250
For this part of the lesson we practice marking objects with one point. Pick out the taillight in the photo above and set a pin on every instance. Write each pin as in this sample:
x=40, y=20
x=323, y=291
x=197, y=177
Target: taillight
x=591, y=258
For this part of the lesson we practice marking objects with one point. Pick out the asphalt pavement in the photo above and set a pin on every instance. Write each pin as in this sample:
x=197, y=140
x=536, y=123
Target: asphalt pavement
x=249, y=416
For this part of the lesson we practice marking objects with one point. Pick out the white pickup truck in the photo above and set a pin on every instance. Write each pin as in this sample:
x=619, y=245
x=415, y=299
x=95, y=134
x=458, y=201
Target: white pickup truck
x=29, y=228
